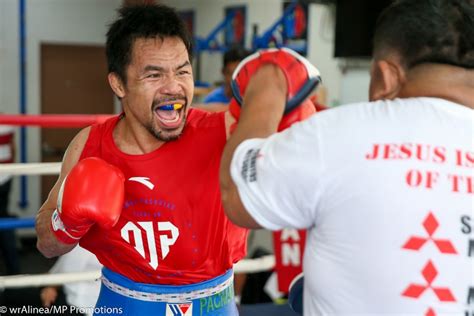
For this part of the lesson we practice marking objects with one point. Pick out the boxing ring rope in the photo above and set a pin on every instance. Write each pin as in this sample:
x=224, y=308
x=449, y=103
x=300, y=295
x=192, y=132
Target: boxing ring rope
x=262, y=264
x=53, y=120
x=38, y=280
x=265, y=263
x=13, y=223
x=45, y=120
x=44, y=168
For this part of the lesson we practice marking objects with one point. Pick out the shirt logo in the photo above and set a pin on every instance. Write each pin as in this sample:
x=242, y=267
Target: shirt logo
x=429, y=272
x=179, y=309
x=430, y=225
x=143, y=180
x=249, y=168
x=147, y=246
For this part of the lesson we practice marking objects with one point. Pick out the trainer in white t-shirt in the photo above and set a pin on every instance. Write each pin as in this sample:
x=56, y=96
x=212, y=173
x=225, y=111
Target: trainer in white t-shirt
x=388, y=201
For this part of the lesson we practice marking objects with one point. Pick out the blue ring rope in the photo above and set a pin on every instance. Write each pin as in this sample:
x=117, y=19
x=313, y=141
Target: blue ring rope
x=14, y=223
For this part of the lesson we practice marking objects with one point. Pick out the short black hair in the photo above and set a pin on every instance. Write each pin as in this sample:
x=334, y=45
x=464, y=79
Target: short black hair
x=427, y=31
x=234, y=54
x=142, y=21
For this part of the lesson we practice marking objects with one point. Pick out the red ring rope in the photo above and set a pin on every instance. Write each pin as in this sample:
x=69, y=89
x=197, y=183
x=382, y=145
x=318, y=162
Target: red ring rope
x=53, y=120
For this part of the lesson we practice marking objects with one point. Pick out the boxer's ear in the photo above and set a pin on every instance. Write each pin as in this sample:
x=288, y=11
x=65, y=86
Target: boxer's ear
x=116, y=84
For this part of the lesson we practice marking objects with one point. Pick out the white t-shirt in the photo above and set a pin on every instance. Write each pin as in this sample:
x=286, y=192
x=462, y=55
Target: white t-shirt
x=82, y=294
x=386, y=191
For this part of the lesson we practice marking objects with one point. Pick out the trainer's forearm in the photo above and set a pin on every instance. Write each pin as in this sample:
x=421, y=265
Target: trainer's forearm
x=47, y=242
x=262, y=110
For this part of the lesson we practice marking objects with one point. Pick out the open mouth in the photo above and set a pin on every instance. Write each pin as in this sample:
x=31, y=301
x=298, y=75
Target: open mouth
x=170, y=115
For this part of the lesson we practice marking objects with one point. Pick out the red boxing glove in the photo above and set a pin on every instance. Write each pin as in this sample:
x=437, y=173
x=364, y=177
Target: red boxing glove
x=93, y=192
x=301, y=76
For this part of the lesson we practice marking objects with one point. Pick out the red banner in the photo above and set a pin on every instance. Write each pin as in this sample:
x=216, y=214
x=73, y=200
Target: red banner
x=289, y=248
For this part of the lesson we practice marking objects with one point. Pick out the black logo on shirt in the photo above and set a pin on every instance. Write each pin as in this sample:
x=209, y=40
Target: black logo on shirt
x=249, y=170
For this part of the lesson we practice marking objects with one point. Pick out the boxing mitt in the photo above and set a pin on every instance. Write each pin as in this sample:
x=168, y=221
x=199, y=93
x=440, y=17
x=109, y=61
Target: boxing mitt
x=295, y=294
x=301, y=76
x=93, y=192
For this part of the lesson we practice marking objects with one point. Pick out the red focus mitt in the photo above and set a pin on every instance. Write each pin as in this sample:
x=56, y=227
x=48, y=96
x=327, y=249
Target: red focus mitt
x=301, y=76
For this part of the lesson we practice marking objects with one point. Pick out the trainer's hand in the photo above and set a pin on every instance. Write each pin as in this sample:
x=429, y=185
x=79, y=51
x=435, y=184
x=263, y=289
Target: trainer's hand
x=301, y=76
x=48, y=296
x=93, y=192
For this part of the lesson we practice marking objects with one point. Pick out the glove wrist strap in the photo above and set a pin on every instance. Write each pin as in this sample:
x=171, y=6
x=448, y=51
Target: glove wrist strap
x=61, y=232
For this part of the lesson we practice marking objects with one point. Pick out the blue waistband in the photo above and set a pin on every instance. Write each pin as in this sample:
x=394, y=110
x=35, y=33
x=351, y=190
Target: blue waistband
x=164, y=289
x=120, y=296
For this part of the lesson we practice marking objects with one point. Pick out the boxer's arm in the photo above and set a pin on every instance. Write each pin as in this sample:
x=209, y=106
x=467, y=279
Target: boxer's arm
x=264, y=104
x=47, y=243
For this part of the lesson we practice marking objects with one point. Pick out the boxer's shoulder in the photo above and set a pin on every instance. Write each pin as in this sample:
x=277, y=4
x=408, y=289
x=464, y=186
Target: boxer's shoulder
x=202, y=119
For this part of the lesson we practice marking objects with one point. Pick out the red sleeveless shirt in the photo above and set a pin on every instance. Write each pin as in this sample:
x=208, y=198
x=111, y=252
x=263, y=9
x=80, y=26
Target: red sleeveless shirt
x=172, y=229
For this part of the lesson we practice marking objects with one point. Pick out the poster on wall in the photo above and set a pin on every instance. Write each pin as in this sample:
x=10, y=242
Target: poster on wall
x=188, y=17
x=235, y=30
x=295, y=27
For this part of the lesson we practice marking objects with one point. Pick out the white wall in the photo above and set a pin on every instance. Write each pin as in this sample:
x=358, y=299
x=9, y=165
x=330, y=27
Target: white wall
x=209, y=13
x=321, y=27
x=9, y=64
x=321, y=30
x=53, y=21
x=355, y=81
